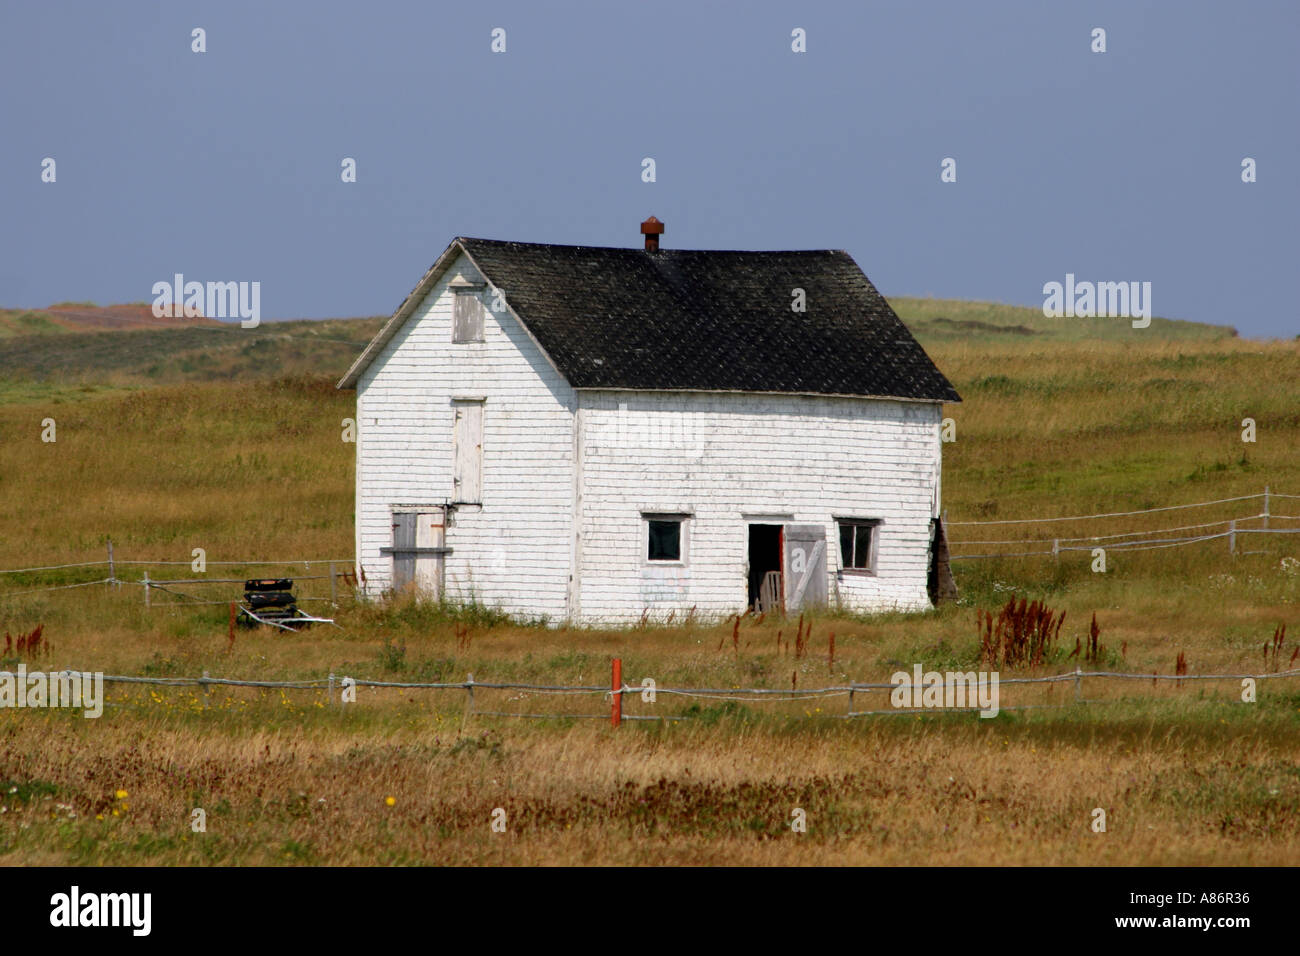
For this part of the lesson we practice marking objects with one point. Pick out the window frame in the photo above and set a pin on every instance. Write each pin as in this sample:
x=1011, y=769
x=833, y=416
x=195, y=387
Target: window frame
x=683, y=538
x=873, y=548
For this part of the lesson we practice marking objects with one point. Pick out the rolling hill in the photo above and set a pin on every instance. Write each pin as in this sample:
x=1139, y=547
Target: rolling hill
x=68, y=343
x=947, y=320
x=72, y=317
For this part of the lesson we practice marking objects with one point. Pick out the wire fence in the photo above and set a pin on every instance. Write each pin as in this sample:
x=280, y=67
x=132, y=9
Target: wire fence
x=337, y=570
x=1035, y=544
x=1124, y=514
x=341, y=691
x=305, y=562
x=1263, y=522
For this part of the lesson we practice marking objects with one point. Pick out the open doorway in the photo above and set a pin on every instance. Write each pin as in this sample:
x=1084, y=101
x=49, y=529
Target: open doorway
x=765, y=547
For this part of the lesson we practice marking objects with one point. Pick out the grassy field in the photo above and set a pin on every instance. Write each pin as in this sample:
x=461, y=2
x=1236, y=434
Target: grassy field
x=145, y=357
x=163, y=451
x=936, y=321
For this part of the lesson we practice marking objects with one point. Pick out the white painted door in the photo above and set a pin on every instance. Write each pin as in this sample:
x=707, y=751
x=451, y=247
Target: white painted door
x=467, y=439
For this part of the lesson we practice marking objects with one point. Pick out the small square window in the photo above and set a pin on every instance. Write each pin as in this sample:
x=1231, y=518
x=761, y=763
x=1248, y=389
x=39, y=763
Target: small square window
x=665, y=539
x=467, y=317
x=858, y=544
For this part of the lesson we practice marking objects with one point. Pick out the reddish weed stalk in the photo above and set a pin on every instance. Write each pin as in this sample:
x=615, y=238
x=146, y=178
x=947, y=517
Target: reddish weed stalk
x=1022, y=633
x=28, y=644
x=1093, y=651
x=1273, y=649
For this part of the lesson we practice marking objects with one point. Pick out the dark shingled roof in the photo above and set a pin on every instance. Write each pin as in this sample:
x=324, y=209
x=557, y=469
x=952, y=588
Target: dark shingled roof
x=709, y=320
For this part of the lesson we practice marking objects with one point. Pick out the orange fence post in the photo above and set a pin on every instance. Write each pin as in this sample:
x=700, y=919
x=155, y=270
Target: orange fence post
x=616, y=707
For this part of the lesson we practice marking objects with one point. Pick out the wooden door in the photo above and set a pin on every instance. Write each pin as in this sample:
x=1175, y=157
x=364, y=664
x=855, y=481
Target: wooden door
x=467, y=439
x=805, y=567
x=403, y=549
x=430, y=531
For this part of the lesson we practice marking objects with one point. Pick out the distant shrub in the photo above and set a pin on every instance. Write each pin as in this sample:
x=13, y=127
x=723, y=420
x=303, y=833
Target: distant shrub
x=998, y=384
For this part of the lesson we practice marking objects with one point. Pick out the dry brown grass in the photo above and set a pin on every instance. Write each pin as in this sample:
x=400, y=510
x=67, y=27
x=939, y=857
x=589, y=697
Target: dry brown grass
x=1187, y=774
x=893, y=791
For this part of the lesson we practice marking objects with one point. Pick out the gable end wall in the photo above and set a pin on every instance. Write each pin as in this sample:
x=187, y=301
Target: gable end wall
x=515, y=550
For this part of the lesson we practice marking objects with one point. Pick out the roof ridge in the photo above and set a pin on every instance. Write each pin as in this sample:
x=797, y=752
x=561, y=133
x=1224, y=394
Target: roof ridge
x=658, y=252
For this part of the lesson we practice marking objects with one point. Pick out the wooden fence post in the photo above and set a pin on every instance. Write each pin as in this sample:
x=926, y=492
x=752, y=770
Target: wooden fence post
x=112, y=568
x=146, y=589
x=850, y=698
x=334, y=600
x=616, y=700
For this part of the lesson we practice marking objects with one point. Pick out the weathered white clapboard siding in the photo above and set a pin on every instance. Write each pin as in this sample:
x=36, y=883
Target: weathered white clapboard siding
x=514, y=552
x=723, y=458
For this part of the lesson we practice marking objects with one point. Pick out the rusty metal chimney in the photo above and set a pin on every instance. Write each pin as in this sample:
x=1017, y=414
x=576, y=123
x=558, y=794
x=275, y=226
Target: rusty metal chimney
x=652, y=229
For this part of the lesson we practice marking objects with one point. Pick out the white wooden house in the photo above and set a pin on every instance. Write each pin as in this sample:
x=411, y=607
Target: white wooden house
x=594, y=434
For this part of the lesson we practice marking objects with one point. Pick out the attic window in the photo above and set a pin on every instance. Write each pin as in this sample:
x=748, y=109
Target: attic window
x=467, y=315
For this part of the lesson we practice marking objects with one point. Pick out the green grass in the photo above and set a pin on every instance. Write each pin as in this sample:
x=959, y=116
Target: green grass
x=142, y=357
x=952, y=320
x=28, y=322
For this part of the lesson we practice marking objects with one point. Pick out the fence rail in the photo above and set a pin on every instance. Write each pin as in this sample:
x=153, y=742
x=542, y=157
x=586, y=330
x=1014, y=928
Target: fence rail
x=164, y=585
x=335, y=686
x=1126, y=514
x=1144, y=539
x=161, y=564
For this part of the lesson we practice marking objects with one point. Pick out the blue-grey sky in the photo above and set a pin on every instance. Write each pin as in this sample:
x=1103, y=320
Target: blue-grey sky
x=225, y=165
